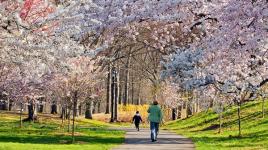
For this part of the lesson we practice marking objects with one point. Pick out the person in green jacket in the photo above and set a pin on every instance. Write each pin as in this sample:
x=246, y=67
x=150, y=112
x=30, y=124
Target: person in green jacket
x=155, y=117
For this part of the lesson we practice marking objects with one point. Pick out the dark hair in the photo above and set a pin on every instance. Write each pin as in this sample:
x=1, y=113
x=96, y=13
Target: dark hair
x=155, y=102
x=137, y=112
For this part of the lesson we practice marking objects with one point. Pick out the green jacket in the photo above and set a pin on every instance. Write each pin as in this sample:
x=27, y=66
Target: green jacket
x=155, y=113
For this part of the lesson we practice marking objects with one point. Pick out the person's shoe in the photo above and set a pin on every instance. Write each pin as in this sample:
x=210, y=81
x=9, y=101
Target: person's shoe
x=153, y=140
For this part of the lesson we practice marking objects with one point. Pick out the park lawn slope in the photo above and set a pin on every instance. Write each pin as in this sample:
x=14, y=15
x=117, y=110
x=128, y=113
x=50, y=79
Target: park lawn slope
x=50, y=134
x=203, y=129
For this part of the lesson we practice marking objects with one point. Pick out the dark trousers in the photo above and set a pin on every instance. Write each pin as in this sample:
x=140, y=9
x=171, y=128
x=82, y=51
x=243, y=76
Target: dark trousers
x=137, y=125
x=154, y=127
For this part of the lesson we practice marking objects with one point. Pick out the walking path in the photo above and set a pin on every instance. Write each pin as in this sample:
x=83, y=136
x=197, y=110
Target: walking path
x=166, y=141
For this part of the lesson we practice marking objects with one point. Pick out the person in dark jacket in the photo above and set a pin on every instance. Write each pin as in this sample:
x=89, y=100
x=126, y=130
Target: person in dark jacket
x=137, y=120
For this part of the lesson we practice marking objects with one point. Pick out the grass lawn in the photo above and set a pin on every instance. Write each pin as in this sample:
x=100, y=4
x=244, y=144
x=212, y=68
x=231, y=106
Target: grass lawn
x=48, y=134
x=203, y=129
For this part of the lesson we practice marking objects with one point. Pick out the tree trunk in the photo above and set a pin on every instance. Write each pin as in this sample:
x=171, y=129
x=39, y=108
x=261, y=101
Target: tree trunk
x=76, y=110
x=120, y=92
x=139, y=94
x=108, y=96
x=54, y=108
x=132, y=90
x=154, y=92
x=62, y=115
x=10, y=106
x=63, y=112
x=174, y=113
x=94, y=107
x=32, y=111
x=239, y=118
x=99, y=106
x=69, y=118
x=186, y=108
x=198, y=105
x=126, y=80
x=40, y=108
x=263, y=109
x=220, y=122
x=74, y=113
x=21, y=109
x=8, y=102
x=89, y=107
x=179, y=110
x=80, y=110
x=117, y=85
x=66, y=111
x=112, y=95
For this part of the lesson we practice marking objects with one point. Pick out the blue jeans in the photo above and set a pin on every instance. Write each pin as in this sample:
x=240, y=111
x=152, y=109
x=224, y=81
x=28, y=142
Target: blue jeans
x=154, y=127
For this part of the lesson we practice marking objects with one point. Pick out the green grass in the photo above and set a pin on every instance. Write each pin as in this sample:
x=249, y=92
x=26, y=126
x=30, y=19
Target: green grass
x=49, y=133
x=203, y=129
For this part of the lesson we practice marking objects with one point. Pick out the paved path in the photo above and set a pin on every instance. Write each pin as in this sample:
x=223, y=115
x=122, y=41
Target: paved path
x=166, y=141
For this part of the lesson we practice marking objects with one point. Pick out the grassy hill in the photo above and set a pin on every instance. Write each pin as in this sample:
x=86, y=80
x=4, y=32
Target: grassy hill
x=49, y=133
x=203, y=129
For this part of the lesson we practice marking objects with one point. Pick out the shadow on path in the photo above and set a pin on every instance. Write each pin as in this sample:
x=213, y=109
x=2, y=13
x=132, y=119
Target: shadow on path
x=166, y=141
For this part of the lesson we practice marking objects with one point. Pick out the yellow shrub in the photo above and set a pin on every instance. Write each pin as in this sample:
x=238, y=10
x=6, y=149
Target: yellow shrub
x=127, y=112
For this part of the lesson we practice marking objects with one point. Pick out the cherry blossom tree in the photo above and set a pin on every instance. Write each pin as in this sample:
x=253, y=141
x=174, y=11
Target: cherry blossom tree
x=172, y=97
x=234, y=51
